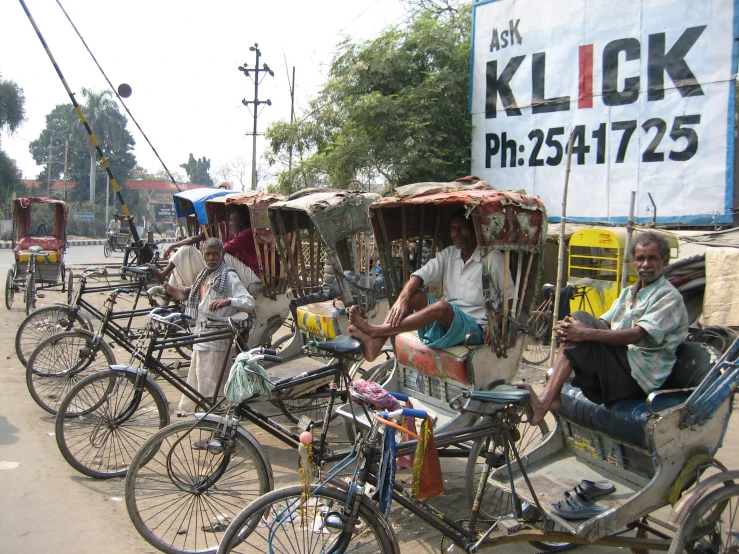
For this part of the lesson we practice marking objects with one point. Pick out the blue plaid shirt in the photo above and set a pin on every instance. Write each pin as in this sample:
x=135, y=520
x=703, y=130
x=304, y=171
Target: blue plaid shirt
x=658, y=308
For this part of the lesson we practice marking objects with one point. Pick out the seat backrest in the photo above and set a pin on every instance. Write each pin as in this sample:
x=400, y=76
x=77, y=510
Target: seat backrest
x=694, y=361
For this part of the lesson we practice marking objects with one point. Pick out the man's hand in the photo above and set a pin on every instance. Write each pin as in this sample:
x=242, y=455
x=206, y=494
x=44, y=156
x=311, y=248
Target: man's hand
x=486, y=337
x=167, y=251
x=398, y=312
x=218, y=304
x=570, y=330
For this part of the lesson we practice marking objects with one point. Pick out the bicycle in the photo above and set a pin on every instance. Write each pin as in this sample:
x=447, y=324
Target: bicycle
x=328, y=516
x=79, y=312
x=62, y=360
x=173, y=492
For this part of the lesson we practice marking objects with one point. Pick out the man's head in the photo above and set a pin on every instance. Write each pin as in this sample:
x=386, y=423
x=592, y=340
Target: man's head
x=651, y=253
x=238, y=220
x=212, y=250
x=462, y=232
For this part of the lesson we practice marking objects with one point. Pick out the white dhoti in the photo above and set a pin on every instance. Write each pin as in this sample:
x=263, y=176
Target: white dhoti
x=188, y=263
x=205, y=370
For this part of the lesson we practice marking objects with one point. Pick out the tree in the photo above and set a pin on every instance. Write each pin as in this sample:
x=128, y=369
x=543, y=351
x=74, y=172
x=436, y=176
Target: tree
x=109, y=126
x=235, y=171
x=12, y=116
x=393, y=110
x=198, y=171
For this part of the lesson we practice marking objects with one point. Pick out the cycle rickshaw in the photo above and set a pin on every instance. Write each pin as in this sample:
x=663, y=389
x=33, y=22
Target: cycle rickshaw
x=118, y=237
x=639, y=455
x=39, y=243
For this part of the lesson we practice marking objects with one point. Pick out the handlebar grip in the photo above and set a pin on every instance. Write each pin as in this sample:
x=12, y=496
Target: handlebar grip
x=270, y=358
x=126, y=290
x=411, y=412
x=269, y=352
x=399, y=396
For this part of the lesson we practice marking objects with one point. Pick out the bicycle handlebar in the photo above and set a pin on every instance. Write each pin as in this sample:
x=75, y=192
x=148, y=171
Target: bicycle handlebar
x=271, y=358
x=408, y=412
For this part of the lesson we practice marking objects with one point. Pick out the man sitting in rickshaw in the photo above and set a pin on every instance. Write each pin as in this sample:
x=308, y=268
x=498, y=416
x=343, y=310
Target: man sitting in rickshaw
x=239, y=254
x=441, y=323
x=217, y=290
x=627, y=353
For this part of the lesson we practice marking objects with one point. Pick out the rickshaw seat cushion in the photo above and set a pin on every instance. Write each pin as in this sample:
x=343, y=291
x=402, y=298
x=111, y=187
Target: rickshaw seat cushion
x=625, y=420
x=449, y=363
x=46, y=243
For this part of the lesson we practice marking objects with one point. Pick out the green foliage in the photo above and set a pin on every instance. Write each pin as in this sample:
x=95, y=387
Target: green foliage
x=10, y=183
x=198, y=171
x=393, y=111
x=12, y=106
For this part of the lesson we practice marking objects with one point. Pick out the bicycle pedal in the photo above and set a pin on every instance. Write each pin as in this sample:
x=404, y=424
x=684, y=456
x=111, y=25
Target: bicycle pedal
x=510, y=524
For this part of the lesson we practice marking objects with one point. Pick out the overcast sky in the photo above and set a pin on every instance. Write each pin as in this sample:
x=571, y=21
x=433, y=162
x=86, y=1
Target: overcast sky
x=180, y=58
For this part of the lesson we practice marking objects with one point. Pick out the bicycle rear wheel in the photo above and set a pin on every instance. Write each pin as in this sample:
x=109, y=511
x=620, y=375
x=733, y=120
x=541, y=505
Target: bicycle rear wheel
x=106, y=418
x=288, y=520
x=712, y=524
x=536, y=346
x=42, y=324
x=181, y=493
x=60, y=362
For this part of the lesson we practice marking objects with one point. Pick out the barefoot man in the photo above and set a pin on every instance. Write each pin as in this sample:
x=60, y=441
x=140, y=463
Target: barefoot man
x=446, y=322
x=628, y=352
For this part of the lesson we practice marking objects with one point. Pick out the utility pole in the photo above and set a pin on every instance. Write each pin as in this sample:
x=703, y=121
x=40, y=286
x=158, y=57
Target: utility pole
x=292, y=118
x=66, y=149
x=48, y=171
x=256, y=78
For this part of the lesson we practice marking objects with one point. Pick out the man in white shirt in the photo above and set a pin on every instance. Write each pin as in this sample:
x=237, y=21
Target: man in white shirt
x=217, y=290
x=446, y=322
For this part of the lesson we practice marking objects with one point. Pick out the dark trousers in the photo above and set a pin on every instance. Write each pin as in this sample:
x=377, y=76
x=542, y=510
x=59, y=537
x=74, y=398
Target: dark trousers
x=602, y=371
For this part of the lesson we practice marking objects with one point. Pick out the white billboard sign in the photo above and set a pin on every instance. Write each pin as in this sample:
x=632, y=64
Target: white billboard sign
x=647, y=87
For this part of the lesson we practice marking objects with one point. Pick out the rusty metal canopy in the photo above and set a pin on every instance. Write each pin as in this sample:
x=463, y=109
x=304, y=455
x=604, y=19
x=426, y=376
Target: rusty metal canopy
x=256, y=201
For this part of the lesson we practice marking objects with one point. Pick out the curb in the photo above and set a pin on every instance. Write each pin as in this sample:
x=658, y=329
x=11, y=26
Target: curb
x=6, y=244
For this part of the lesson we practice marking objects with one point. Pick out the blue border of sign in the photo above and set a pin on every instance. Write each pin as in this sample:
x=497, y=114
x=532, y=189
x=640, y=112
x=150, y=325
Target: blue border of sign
x=699, y=219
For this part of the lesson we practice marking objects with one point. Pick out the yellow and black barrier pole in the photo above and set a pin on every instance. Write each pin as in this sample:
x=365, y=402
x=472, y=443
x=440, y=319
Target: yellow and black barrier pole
x=103, y=159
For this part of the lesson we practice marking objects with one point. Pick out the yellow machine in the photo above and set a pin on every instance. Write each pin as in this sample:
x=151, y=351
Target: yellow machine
x=595, y=259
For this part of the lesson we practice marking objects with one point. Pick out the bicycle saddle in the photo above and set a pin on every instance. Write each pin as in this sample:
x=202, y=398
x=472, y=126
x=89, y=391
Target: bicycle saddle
x=343, y=344
x=140, y=270
x=502, y=394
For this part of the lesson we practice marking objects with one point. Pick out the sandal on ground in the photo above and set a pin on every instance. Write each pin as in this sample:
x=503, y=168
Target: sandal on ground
x=577, y=506
x=592, y=489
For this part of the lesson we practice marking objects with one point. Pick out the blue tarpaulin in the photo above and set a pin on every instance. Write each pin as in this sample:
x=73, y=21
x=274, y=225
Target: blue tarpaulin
x=190, y=202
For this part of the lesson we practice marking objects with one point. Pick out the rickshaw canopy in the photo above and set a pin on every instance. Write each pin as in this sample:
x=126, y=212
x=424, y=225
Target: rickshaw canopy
x=505, y=220
x=189, y=202
x=21, y=213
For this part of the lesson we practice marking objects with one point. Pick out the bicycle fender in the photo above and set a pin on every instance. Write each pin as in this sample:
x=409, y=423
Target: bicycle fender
x=685, y=505
x=247, y=436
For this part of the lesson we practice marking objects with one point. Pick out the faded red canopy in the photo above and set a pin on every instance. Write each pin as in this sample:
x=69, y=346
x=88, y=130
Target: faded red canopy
x=503, y=219
x=23, y=208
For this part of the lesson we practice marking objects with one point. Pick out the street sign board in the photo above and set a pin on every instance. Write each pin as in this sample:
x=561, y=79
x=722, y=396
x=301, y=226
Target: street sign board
x=85, y=217
x=646, y=86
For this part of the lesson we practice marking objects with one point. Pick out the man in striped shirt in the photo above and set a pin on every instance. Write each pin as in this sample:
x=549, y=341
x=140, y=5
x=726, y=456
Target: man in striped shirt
x=629, y=352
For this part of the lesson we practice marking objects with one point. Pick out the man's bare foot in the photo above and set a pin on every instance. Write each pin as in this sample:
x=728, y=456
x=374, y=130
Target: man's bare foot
x=372, y=346
x=540, y=407
x=362, y=324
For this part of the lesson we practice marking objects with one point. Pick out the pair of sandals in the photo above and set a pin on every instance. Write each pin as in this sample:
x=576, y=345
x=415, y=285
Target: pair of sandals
x=578, y=502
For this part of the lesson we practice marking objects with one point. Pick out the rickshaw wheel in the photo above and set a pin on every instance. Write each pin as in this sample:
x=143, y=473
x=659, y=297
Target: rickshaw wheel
x=106, y=248
x=30, y=293
x=10, y=289
x=708, y=528
x=536, y=342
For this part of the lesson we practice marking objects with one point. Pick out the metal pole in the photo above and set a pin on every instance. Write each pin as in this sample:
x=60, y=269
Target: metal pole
x=627, y=249
x=561, y=256
x=292, y=119
x=66, y=149
x=48, y=171
x=107, y=199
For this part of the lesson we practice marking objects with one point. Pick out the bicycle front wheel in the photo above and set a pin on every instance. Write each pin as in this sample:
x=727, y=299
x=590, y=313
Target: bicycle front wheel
x=290, y=521
x=62, y=361
x=182, y=490
x=42, y=324
x=106, y=248
x=105, y=419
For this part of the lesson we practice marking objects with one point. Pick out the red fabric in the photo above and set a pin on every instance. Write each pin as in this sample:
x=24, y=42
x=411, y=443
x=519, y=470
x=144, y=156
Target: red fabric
x=47, y=243
x=242, y=248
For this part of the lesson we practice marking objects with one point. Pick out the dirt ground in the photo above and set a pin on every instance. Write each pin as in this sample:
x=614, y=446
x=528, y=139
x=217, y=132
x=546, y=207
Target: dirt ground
x=49, y=507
